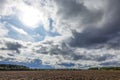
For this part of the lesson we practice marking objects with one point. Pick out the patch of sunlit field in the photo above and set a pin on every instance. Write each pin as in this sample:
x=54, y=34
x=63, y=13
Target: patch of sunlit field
x=60, y=75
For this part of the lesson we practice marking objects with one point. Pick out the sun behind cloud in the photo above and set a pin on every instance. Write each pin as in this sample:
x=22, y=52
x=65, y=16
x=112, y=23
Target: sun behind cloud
x=30, y=16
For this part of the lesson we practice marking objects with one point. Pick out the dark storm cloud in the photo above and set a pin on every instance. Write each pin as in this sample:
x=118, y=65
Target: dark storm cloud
x=70, y=8
x=61, y=49
x=13, y=46
x=75, y=10
x=92, y=34
x=92, y=57
x=88, y=38
x=10, y=45
x=54, y=49
x=1, y=57
x=108, y=30
x=81, y=57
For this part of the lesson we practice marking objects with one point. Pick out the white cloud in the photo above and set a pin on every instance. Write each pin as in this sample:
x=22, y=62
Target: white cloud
x=21, y=31
x=31, y=15
x=55, y=53
x=6, y=7
x=34, y=14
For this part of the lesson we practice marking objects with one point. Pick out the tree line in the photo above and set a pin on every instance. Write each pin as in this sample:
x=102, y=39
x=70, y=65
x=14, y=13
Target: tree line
x=10, y=67
x=105, y=68
x=13, y=67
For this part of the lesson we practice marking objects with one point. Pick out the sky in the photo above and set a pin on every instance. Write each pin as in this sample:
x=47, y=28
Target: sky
x=60, y=33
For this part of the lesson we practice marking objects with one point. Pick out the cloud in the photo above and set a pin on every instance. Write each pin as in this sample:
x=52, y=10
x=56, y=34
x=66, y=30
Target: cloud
x=13, y=46
x=88, y=34
x=10, y=45
x=75, y=15
x=54, y=54
x=110, y=63
x=88, y=27
x=12, y=50
x=6, y=8
x=2, y=4
x=21, y=31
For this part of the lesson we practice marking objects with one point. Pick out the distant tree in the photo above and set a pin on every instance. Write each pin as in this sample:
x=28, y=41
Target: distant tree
x=13, y=67
x=105, y=68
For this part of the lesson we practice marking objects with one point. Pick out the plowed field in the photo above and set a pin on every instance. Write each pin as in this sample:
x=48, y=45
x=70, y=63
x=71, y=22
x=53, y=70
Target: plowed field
x=60, y=75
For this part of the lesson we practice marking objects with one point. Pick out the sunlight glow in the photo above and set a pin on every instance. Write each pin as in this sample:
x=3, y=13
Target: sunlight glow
x=30, y=16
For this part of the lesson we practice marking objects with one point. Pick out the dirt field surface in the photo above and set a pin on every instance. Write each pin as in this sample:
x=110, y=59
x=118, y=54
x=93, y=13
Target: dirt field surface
x=60, y=75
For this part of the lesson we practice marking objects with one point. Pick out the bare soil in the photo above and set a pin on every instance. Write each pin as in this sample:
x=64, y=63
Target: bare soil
x=60, y=75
